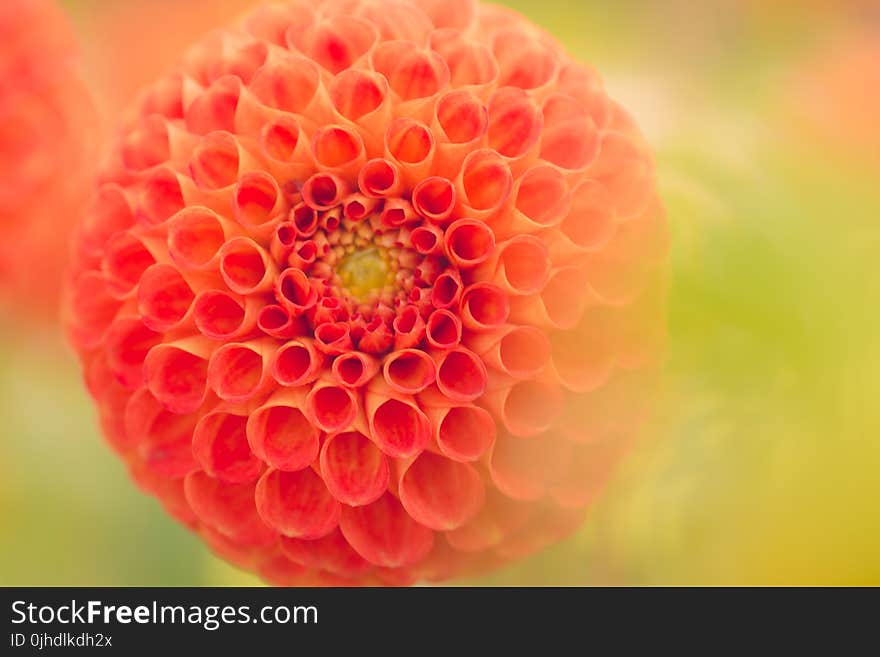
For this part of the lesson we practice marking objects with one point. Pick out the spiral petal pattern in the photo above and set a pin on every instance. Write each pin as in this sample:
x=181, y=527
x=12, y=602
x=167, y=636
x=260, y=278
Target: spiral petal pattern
x=373, y=290
x=48, y=132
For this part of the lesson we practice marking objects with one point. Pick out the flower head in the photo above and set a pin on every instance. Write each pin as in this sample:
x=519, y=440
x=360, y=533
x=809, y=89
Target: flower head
x=369, y=288
x=45, y=129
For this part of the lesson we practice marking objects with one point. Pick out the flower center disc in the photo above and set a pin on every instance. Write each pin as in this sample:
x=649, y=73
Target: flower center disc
x=364, y=272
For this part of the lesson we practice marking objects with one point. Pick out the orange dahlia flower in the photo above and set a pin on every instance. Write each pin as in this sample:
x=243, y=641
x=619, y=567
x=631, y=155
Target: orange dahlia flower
x=369, y=289
x=46, y=127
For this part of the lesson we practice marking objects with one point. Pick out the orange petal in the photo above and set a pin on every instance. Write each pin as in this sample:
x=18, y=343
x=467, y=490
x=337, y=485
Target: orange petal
x=279, y=433
x=296, y=504
x=354, y=469
x=384, y=534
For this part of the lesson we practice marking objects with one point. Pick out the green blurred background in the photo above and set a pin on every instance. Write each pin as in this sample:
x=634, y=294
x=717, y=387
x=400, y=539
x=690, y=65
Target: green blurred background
x=762, y=465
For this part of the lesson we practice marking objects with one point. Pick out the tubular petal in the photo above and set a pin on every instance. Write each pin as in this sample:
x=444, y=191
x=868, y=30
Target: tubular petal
x=377, y=337
x=471, y=64
x=379, y=178
x=162, y=197
x=177, y=374
x=523, y=265
x=384, y=534
x=398, y=426
x=339, y=149
x=484, y=184
x=126, y=258
x=283, y=145
x=499, y=518
x=146, y=145
x=333, y=339
x=410, y=145
x=515, y=122
x=563, y=308
x=440, y=493
x=274, y=566
x=353, y=468
x=94, y=306
x=276, y=321
x=519, y=351
x=462, y=432
x=304, y=220
x=216, y=161
x=255, y=200
x=296, y=504
x=297, y=363
x=336, y=42
x=356, y=93
x=128, y=342
x=443, y=330
x=590, y=222
x=434, y=199
x=541, y=197
x=409, y=142
x=223, y=316
x=484, y=306
x=427, y=239
x=525, y=61
x=462, y=117
x=214, y=108
x=279, y=433
x=109, y=214
x=572, y=140
x=289, y=85
x=239, y=371
x=409, y=327
x=164, y=297
x=461, y=374
x=354, y=369
x=324, y=191
x=469, y=242
x=295, y=292
x=411, y=72
x=246, y=267
x=446, y=293
x=195, y=237
x=331, y=407
x=228, y=508
x=525, y=468
x=163, y=438
x=331, y=553
x=221, y=447
x=531, y=407
x=359, y=206
x=409, y=371
x=625, y=171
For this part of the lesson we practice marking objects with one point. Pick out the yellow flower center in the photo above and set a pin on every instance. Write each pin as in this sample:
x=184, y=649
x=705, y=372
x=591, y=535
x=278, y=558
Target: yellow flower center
x=365, y=272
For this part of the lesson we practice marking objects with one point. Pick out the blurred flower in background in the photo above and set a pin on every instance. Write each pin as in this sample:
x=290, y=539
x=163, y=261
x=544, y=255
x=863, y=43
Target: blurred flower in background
x=48, y=142
x=128, y=44
x=761, y=464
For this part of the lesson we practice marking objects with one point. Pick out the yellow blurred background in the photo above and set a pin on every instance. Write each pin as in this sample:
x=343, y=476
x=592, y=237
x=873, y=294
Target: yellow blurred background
x=762, y=465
